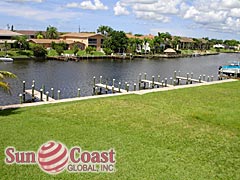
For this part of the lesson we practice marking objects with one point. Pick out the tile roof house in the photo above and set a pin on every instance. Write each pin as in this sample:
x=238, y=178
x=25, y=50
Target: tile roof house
x=89, y=39
x=47, y=43
x=6, y=36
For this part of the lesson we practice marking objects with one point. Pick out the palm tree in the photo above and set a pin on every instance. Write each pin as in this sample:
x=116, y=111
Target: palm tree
x=21, y=42
x=3, y=84
x=105, y=30
x=52, y=32
x=39, y=35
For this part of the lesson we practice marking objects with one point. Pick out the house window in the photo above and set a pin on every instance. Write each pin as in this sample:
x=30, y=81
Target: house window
x=92, y=41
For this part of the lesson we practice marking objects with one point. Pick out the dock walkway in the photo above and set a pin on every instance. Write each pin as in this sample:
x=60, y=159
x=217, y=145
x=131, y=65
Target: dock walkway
x=110, y=88
x=37, y=95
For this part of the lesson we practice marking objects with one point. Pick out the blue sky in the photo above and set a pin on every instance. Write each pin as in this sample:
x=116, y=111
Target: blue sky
x=192, y=18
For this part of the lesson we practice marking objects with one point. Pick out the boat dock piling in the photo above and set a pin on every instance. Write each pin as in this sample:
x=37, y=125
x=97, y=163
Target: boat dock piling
x=107, y=87
x=39, y=95
x=114, y=87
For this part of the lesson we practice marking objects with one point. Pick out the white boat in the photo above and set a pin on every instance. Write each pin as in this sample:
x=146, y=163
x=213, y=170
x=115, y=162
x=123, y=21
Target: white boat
x=6, y=59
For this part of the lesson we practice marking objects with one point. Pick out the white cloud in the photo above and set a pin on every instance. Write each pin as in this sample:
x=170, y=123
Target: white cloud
x=28, y=12
x=214, y=15
x=97, y=5
x=158, y=10
x=120, y=9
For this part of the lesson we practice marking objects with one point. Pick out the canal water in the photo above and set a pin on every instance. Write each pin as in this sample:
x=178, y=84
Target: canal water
x=69, y=76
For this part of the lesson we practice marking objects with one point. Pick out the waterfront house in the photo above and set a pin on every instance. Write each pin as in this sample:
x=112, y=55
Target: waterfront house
x=47, y=43
x=86, y=39
x=28, y=33
x=144, y=47
x=7, y=36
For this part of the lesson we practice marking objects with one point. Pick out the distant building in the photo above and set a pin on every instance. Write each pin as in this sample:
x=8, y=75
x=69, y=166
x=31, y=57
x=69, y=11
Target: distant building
x=7, y=36
x=47, y=43
x=28, y=33
x=220, y=46
x=144, y=47
x=88, y=39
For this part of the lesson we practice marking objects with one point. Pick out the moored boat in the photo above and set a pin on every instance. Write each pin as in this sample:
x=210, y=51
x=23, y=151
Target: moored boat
x=6, y=59
x=231, y=70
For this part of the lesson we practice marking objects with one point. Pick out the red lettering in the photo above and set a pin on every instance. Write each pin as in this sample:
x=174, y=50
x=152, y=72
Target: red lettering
x=104, y=157
x=9, y=152
x=72, y=155
x=112, y=154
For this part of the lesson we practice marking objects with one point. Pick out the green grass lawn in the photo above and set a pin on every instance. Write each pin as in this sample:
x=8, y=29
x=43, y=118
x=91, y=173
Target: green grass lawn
x=17, y=53
x=183, y=134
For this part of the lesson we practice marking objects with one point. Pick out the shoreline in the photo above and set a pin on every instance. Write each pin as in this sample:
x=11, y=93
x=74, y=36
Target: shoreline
x=119, y=57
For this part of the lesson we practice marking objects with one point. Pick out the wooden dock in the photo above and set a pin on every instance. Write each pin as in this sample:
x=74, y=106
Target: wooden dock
x=37, y=95
x=115, y=89
x=156, y=83
x=190, y=79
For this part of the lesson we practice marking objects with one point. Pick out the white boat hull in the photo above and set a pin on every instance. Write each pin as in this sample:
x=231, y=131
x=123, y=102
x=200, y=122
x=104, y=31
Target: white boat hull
x=6, y=59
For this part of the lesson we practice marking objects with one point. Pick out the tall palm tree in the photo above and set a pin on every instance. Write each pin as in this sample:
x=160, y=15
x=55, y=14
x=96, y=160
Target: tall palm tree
x=21, y=42
x=105, y=30
x=3, y=84
x=52, y=32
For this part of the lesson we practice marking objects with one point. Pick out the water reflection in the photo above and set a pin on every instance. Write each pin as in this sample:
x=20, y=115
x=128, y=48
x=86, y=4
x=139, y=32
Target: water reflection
x=69, y=76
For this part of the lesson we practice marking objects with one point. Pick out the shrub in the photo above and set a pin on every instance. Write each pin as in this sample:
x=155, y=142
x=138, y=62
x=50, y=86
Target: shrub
x=38, y=50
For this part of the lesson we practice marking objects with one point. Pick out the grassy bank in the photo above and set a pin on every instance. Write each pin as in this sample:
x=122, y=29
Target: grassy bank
x=183, y=134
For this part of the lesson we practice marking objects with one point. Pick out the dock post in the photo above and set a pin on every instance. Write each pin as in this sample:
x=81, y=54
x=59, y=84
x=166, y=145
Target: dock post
x=145, y=76
x=33, y=82
x=100, y=80
x=162, y=83
x=208, y=79
x=174, y=82
x=52, y=92
x=113, y=83
x=135, y=87
x=175, y=75
x=43, y=88
x=21, y=98
x=159, y=78
x=79, y=92
x=165, y=82
x=24, y=86
x=191, y=78
x=204, y=77
x=212, y=78
x=119, y=86
x=171, y=81
x=140, y=80
x=59, y=93
x=94, y=81
x=106, y=84
x=33, y=87
x=127, y=87
x=153, y=82
x=96, y=89
x=24, y=93
x=200, y=79
x=113, y=89
x=187, y=78
x=47, y=96
x=41, y=94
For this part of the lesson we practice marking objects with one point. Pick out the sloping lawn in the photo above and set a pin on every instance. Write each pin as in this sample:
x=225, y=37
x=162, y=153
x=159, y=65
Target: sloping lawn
x=182, y=134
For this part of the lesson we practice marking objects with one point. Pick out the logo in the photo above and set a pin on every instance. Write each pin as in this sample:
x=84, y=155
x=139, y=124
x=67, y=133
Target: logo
x=54, y=157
